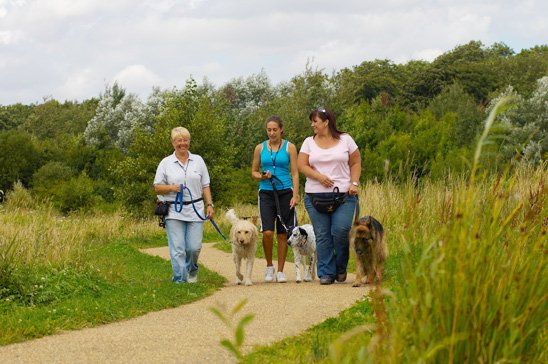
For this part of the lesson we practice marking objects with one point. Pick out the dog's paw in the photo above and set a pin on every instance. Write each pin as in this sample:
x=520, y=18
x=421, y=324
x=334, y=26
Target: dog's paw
x=357, y=283
x=308, y=277
x=238, y=281
x=240, y=276
x=248, y=282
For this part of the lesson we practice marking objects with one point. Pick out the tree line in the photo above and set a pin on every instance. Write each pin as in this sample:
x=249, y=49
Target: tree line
x=413, y=120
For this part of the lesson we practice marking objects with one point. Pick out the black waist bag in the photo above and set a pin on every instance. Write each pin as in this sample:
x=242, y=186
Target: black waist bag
x=327, y=203
x=162, y=208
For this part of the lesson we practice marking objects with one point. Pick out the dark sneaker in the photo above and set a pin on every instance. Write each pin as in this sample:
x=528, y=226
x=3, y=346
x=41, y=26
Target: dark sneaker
x=326, y=280
x=341, y=277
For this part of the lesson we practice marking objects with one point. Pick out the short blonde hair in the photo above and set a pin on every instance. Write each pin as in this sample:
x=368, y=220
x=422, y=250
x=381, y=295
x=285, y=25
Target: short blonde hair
x=180, y=132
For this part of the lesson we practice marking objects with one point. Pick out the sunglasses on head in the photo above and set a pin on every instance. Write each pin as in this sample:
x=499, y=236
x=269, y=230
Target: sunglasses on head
x=321, y=109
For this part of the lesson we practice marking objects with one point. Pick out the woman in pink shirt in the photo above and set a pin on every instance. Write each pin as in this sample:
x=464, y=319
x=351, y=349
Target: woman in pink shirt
x=330, y=160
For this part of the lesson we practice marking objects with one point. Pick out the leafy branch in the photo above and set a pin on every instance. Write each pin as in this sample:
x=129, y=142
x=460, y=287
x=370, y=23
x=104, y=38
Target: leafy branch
x=228, y=317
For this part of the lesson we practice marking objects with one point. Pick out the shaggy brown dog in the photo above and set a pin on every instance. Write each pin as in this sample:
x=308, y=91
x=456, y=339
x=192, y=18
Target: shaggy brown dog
x=368, y=240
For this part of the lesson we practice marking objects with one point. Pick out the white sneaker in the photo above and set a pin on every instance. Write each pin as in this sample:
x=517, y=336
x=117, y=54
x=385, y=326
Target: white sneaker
x=192, y=279
x=280, y=277
x=269, y=274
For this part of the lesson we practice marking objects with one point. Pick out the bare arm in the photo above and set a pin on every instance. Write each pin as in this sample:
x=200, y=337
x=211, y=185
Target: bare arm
x=208, y=200
x=355, y=163
x=165, y=189
x=294, y=175
x=255, y=172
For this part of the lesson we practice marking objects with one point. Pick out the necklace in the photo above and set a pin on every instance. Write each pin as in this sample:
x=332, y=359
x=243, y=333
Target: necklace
x=273, y=158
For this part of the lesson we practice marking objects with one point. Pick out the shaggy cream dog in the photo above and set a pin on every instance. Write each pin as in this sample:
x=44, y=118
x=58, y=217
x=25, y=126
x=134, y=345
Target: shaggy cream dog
x=243, y=237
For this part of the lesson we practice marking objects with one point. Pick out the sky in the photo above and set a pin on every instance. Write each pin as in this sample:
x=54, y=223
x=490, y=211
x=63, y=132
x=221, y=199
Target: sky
x=73, y=49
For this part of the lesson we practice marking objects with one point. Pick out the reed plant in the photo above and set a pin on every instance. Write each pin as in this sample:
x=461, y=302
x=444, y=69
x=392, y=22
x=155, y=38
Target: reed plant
x=472, y=283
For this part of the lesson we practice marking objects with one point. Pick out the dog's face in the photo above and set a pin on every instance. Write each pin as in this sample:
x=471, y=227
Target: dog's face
x=362, y=235
x=244, y=233
x=298, y=237
x=363, y=229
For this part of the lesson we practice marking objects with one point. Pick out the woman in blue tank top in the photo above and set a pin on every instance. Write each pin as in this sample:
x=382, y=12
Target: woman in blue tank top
x=275, y=160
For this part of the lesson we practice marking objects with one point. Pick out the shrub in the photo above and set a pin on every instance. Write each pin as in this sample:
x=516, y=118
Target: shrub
x=76, y=194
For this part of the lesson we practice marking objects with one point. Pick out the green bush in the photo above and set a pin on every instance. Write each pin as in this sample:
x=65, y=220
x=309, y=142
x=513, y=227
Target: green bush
x=46, y=178
x=76, y=194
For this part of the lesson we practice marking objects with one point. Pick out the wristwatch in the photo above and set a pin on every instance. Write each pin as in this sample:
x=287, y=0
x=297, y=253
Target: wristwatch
x=354, y=183
x=210, y=204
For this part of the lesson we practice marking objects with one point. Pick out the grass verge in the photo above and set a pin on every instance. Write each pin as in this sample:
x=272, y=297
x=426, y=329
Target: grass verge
x=116, y=283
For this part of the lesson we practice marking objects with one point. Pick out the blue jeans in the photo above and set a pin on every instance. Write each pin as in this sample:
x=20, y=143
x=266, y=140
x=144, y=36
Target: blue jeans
x=332, y=242
x=185, y=242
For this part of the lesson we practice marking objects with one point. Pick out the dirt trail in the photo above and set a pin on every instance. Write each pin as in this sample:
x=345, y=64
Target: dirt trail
x=191, y=333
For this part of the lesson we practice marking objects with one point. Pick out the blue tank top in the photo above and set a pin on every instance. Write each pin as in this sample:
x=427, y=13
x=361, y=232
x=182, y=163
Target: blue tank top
x=278, y=164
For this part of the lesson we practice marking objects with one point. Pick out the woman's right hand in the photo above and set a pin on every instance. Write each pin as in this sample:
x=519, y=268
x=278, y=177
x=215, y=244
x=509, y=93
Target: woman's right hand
x=325, y=180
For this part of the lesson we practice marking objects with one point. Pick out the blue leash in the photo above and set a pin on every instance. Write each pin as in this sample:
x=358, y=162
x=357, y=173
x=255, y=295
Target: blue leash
x=178, y=205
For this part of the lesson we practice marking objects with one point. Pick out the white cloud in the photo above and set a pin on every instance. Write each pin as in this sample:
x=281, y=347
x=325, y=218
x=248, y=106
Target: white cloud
x=80, y=84
x=7, y=37
x=136, y=77
x=70, y=49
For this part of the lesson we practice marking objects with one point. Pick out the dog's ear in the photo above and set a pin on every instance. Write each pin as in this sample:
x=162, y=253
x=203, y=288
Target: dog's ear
x=303, y=232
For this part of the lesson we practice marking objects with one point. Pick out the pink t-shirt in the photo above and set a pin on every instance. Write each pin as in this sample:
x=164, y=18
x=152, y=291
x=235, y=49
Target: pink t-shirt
x=332, y=162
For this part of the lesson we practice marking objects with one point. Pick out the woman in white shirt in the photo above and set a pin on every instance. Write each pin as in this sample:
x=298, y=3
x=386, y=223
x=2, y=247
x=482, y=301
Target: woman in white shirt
x=184, y=228
x=330, y=159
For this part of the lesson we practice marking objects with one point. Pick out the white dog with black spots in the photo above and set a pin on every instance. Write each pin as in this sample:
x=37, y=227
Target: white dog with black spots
x=303, y=242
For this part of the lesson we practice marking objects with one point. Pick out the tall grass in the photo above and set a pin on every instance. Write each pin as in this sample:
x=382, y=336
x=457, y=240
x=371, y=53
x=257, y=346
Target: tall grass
x=472, y=283
x=36, y=235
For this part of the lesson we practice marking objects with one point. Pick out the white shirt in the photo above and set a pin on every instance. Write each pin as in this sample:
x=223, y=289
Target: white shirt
x=193, y=174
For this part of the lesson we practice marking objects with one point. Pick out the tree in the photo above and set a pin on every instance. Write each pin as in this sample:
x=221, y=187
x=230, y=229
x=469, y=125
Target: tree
x=53, y=119
x=19, y=158
x=525, y=124
x=117, y=117
x=369, y=80
x=454, y=99
x=11, y=116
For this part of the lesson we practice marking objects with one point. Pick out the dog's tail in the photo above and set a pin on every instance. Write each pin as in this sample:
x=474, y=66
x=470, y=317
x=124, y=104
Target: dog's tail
x=231, y=216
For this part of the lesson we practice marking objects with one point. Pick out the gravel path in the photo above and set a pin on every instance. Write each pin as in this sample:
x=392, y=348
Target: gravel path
x=191, y=333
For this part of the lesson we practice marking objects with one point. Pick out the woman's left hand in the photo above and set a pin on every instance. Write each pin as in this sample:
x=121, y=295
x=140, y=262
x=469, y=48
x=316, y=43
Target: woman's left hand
x=210, y=212
x=294, y=201
x=353, y=190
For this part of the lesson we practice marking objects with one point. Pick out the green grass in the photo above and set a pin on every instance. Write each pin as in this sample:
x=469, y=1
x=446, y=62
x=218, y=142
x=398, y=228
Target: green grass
x=118, y=282
x=312, y=346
